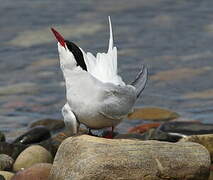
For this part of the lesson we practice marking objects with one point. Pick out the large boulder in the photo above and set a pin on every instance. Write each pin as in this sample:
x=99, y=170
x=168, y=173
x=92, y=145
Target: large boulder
x=86, y=157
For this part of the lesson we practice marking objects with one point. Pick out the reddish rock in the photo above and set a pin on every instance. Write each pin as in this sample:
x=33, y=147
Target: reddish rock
x=36, y=172
x=143, y=128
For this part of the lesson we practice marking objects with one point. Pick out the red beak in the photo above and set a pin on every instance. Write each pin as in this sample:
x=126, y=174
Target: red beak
x=59, y=37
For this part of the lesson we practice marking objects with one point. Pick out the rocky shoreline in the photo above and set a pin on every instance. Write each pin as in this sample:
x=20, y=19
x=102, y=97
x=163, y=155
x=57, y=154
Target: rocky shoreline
x=169, y=147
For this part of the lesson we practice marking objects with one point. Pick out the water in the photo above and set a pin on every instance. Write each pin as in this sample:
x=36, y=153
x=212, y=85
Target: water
x=174, y=39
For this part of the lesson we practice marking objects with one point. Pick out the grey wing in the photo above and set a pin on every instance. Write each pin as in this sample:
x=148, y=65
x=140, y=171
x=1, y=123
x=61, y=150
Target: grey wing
x=118, y=101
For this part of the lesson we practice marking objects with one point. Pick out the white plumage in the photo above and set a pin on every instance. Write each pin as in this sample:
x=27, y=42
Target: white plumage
x=104, y=65
x=96, y=94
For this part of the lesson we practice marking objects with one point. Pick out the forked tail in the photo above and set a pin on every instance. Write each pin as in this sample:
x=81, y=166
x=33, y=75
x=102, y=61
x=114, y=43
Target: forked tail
x=140, y=81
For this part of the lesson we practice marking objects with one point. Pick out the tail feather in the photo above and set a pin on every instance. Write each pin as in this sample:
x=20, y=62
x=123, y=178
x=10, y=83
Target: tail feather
x=140, y=81
x=111, y=35
x=104, y=65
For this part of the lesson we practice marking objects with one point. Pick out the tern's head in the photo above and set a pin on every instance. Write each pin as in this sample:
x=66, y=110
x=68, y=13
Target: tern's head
x=70, y=54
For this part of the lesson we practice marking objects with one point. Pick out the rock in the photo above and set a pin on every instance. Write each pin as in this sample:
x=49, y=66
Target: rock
x=39, y=171
x=2, y=137
x=7, y=175
x=143, y=128
x=51, y=124
x=34, y=135
x=12, y=150
x=206, y=140
x=153, y=114
x=211, y=173
x=88, y=157
x=187, y=128
x=2, y=177
x=53, y=143
x=32, y=155
x=152, y=134
x=135, y=136
x=6, y=162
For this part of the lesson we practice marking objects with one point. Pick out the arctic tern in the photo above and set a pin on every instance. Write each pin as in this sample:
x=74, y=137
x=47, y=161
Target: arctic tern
x=96, y=95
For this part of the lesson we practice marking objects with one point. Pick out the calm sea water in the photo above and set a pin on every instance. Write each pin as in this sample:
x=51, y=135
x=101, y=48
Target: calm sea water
x=174, y=39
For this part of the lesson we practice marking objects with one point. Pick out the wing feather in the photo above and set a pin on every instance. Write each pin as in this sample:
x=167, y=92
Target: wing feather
x=104, y=65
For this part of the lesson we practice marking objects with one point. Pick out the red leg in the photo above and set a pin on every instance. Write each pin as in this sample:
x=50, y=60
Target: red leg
x=110, y=134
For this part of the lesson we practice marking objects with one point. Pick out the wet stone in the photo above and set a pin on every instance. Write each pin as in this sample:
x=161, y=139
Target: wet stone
x=130, y=136
x=50, y=124
x=152, y=134
x=2, y=177
x=12, y=150
x=6, y=162
x=2, y=137
x=34, y=135
x=153, y=114
x=187, y=128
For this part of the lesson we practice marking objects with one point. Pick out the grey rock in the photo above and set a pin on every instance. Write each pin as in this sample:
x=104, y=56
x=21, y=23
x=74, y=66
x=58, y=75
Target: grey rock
x=6, y=162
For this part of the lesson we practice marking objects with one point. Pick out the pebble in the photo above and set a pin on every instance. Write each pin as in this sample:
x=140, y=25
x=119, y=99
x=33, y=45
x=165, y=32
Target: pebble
x=6, y=162
x=187, y=128
x=39, y=171
x=34, y=135
x=50, y=124
x=153, y=114
x=32, y=155
x=7, y=175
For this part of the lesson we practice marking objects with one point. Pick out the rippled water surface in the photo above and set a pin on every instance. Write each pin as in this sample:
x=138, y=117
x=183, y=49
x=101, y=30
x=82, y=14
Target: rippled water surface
x=174, y=39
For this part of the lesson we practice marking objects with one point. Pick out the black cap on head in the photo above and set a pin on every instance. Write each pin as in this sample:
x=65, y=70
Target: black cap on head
x=77, y=54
